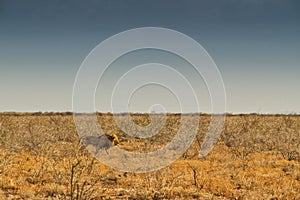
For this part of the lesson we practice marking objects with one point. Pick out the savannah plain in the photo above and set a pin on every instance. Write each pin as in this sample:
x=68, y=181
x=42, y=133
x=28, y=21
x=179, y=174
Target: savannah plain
x=256, y=157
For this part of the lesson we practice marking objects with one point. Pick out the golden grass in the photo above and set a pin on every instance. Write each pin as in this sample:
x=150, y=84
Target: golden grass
x=257, y=157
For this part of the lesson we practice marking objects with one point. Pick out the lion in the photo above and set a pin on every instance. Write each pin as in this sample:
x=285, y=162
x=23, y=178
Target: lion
x=100, y=142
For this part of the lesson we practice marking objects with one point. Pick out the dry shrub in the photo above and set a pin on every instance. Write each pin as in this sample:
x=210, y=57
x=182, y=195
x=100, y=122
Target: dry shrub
x=41, y=157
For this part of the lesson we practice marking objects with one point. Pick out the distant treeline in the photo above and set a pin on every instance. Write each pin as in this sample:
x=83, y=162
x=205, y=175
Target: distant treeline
x=132, y=114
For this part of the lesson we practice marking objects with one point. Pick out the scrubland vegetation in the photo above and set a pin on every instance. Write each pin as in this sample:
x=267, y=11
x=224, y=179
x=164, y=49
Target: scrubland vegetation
x=257, y=157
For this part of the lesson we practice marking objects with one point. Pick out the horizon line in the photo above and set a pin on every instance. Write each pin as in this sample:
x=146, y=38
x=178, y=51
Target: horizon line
x=140, y=113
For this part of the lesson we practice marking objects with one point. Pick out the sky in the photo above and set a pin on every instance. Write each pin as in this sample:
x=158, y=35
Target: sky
x=254, y=43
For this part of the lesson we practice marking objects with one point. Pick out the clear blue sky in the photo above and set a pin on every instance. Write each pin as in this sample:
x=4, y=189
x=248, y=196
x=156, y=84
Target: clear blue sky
x=255, y=44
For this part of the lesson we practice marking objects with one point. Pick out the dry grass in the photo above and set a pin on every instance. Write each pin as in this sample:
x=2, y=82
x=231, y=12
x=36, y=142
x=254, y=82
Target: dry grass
x=257, y=157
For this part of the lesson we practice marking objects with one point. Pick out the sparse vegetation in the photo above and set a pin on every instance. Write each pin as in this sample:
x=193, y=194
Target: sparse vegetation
x=257, y=157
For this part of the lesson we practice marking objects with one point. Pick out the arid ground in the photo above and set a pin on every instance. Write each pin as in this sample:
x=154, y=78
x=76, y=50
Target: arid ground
x=257, y=157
